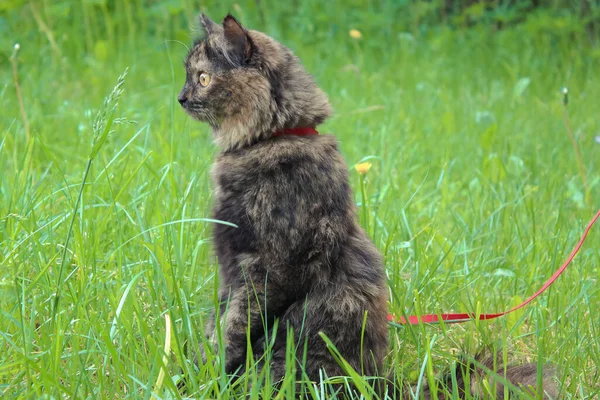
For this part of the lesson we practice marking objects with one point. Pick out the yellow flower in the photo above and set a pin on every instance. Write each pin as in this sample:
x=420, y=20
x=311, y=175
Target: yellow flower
x=355, y=34
x=362, y=168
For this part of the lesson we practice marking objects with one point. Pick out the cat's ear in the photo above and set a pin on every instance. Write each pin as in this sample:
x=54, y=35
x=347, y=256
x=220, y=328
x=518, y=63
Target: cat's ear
x=208, y=24
x=237, y=37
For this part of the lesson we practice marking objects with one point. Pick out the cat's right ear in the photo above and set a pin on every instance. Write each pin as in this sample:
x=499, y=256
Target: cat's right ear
x=237, y=37
x=208, y=24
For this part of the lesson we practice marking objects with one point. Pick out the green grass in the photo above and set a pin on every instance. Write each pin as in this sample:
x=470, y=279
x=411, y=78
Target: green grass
x=474, y=196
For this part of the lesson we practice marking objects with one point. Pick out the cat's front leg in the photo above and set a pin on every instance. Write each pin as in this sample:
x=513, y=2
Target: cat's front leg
x=236, y=327
x=251, y=309
x=210, y=338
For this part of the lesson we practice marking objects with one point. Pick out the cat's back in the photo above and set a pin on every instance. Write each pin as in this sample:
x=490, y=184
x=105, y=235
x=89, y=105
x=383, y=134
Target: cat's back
x=289, y=196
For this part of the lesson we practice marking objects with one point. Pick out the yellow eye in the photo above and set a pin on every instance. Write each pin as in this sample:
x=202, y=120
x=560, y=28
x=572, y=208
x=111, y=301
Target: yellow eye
x=204, y=79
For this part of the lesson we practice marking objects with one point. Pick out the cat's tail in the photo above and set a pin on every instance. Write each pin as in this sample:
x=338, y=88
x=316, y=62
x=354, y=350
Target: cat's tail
x=485, y=376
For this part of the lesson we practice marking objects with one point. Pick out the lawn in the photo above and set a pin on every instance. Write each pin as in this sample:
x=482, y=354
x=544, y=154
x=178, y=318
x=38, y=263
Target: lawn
x=475, y=194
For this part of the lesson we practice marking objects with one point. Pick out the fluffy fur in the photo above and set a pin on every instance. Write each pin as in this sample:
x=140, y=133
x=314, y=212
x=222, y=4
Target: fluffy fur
x=298, y=255
x=487, y=373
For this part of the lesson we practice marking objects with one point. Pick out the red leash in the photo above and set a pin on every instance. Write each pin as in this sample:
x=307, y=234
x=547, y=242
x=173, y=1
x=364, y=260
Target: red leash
x=461, y=317
x=454, y=318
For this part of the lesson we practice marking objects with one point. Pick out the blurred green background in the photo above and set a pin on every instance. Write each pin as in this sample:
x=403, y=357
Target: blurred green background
x=475, y=195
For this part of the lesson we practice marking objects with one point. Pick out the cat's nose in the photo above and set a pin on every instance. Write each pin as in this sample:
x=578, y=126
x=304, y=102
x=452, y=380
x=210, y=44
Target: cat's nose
x=182, y=99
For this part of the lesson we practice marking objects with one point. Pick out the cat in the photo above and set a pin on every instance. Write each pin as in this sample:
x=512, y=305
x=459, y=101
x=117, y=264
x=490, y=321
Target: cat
x=297, y=255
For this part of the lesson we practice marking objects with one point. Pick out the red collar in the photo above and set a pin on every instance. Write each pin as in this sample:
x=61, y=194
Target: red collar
x=300, y=131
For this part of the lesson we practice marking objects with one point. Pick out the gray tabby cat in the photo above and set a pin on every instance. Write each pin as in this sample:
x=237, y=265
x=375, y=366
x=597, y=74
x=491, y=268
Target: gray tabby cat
x=298, y=254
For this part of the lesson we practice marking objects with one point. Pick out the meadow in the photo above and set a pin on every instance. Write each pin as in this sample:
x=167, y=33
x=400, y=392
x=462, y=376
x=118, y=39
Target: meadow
x=475, y=194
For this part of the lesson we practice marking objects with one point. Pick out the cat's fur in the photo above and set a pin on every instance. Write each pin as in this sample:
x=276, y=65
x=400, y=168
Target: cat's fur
x=487, y=374
x=298, y=254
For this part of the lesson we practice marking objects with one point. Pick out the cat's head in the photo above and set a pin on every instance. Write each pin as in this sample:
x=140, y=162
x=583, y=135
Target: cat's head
x=246, y=85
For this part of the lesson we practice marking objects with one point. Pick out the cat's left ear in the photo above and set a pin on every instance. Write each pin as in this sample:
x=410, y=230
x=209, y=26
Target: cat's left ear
x=237, y=37
x=208, y=24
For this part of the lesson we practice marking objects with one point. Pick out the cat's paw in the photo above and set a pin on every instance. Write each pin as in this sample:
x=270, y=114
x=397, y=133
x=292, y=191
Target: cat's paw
x=234, y=361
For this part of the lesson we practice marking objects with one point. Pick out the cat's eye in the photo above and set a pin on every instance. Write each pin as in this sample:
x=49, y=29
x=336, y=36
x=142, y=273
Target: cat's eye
x=204, y=79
